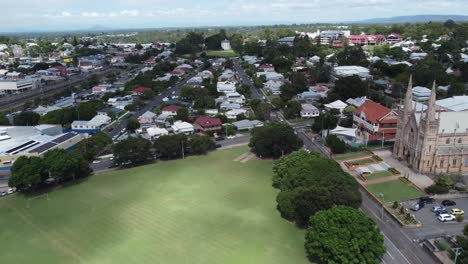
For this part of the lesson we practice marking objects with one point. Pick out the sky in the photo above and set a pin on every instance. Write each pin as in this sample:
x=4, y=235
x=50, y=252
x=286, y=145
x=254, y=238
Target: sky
x=63, y=15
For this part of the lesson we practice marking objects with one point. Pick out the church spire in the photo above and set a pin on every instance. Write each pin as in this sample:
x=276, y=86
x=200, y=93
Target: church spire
x=409, y=97
x=431, y=105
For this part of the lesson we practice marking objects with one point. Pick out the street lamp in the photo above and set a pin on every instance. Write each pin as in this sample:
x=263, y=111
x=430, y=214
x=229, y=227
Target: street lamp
x=457, y=252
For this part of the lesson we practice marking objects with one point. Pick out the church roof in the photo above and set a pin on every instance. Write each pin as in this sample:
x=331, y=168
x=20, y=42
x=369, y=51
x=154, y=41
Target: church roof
x=450, y=121
x=373, y=111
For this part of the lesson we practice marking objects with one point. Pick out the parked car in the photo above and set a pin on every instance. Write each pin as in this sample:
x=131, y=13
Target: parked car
x=426, y=200
x=438, y=208
x=446, y=217
x=3, y=193
x=441, y=212
x=448, y=203
x=417, y=206
x=10, y=191
x=456, y=211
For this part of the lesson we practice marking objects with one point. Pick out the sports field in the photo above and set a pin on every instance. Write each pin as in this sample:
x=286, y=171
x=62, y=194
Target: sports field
x=221, y=53
x=207, y=209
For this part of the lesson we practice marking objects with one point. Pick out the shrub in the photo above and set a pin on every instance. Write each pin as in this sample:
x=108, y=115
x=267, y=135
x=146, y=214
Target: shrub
x=377, y=158
x=394, y=171
x=441, y=186
x=460, y=218
x=336, y=145
x=395, y=205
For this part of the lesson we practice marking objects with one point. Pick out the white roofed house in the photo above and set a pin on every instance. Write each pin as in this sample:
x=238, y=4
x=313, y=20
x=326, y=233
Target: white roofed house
x=152, y=132
x=247, y=124
x=271, y=76
x=227, y=75
x=338, y=105
x=345, y=71
x=308, y=111
x=235, y=98
x=180, y=127
x=226, y=87
x=147, y=118
x=274, y=86
x=232, y=114
x=421, y=93
x=92, y=126
x=415, y=56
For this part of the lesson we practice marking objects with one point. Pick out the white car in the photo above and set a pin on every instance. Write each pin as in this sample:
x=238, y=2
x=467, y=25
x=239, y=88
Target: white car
x=231, y=137
x=446, y=217
x=10, y=191
x=165, y=99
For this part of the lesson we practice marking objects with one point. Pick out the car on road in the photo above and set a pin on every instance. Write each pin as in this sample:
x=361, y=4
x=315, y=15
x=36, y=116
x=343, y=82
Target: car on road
x=446, y=217
x=438, y=208
x=165, y=99
x=426, y=200
x=448, y=203
x=96, y=161
x=456, y=211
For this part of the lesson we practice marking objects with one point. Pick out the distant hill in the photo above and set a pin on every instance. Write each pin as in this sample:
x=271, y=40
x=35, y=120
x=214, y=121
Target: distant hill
x=412, y=19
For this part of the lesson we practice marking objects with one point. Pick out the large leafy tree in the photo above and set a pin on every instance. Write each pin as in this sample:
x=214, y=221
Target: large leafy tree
x=309, y=183
x=200, y=144
x=170, y=147
x=90, y=147
x=325, y=121
x=274, y=140
x=26, y=119
x=350, y=87
x=63, y=165
x=4, y=120
x=27, y=173
x=133, y=150
x=352, y=56
x=343, y=235
x=132, y=124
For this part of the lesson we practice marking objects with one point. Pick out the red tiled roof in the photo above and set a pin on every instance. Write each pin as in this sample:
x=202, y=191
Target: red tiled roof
x=171, y=108
x=141, y=89
x=206, y=121
x=373, y=111
x=265, y=66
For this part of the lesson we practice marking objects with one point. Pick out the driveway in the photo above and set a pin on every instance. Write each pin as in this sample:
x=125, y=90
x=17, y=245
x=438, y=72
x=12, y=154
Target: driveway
x=420, y=180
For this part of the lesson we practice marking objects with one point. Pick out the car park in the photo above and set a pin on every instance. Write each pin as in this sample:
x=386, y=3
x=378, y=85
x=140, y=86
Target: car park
x=426, y=200
x=448, y=203
x=417, y=206
x=446, y=217
x=456, y=211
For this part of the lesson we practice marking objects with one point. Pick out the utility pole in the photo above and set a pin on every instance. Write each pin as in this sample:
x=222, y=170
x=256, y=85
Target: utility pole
x=457, y=252
x=183, y=153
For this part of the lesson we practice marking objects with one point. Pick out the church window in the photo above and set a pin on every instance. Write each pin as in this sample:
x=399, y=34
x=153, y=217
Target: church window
x=459, y=140
x=441, y=163
x=454, y=162
x=447, y=141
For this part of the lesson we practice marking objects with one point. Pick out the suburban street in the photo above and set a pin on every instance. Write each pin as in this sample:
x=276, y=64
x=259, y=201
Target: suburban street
x=246, y=80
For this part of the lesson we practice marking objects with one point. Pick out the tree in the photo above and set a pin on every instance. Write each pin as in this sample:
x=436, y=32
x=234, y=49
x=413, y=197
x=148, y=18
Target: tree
x=63, y=166
x=352, y=56
x=90, y=147
x=325, y=121
x=27, y=173
x=274, y=140
x=132, y=151
x=350, y=87
x=277, y=103
x=336, y=145
x=170, y=147
x=300, y=82
x=309, y=183
x=132, y=124
x=4, y=121
x=200, y=144
x=182, y=114
x=292, y=109
x=288, y=91
x=262, y=111
x=462, y=241
x=26, y=119
x=343, y=235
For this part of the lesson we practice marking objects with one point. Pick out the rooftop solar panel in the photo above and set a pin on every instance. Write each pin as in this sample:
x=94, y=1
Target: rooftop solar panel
x=43, y=148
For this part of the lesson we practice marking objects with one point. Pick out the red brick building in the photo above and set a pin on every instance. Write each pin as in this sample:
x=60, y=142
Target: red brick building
x=375, y=122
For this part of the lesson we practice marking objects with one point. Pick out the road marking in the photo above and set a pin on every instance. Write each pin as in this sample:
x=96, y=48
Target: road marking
x=390, y=255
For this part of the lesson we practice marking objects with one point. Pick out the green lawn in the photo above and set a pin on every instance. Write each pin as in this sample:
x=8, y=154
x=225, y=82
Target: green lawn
x=379, y=175
x=361, y=162
x=221, y=53
x=205, y=209
x=394, y=191
x=353, y=155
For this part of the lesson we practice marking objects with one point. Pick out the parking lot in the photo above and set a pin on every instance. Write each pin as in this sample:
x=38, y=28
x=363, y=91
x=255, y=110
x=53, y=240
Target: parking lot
x=431, y=226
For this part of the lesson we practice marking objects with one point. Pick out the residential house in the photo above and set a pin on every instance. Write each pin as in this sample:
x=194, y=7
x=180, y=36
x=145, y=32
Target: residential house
x=309, y=110
x=375, y=122
x=247, y=124
x=271, y=76
x=92, y=126
x=338, y=105
x=226, y=87
x=266, y=68
x=155, y=132
x=309, y=96
x=43, y=110
x=357, y=102
x=101, y=89
x=180, y=127
x=235, y=98
x=226, y=106
x=147, y=118
x=171, y=110
x=140, y=90
x=274, y=86
x=416, y=56
x=289, y=41
x=361, y=40
x=232, y=114
x=345, y=71
x=394, y=38
x=227, y=75
x=206, y=123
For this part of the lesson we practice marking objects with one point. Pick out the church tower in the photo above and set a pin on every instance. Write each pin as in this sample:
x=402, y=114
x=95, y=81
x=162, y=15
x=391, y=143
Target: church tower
x=404, y=116
x=428, y=133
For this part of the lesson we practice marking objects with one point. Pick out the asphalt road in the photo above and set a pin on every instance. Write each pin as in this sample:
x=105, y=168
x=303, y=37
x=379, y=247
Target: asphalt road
x=246, y=80
x=400, y=244
x=157, y=100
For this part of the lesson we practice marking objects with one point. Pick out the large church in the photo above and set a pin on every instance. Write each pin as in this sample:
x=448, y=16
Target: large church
x=432, y=141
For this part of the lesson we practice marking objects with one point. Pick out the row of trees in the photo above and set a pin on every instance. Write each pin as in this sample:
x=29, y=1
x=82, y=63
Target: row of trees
x=31, y=173
x=134, y=151
x=317, y=194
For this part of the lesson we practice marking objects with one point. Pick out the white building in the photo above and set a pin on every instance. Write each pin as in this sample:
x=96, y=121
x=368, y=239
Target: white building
x=18, y=86
x=308, y=111
x=345, y=71
x=180, y=127
x=232, y=114
x=156, y=132
x=226, y=44
x=274, y=86
x=91, y=126
x=421, y=93
x=338, y=105
x=235, y=98
x=226, y=87
x=147, y=118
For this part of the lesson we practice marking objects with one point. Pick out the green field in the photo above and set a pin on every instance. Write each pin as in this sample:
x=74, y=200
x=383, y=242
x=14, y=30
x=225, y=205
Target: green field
x=353, y=155
x=205, y=209
x=221, y=53
x=394, y=191
x=378, y=175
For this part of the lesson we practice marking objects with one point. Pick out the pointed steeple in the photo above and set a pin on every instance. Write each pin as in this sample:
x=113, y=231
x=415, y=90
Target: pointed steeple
x=409, y=97
x=431, y=105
